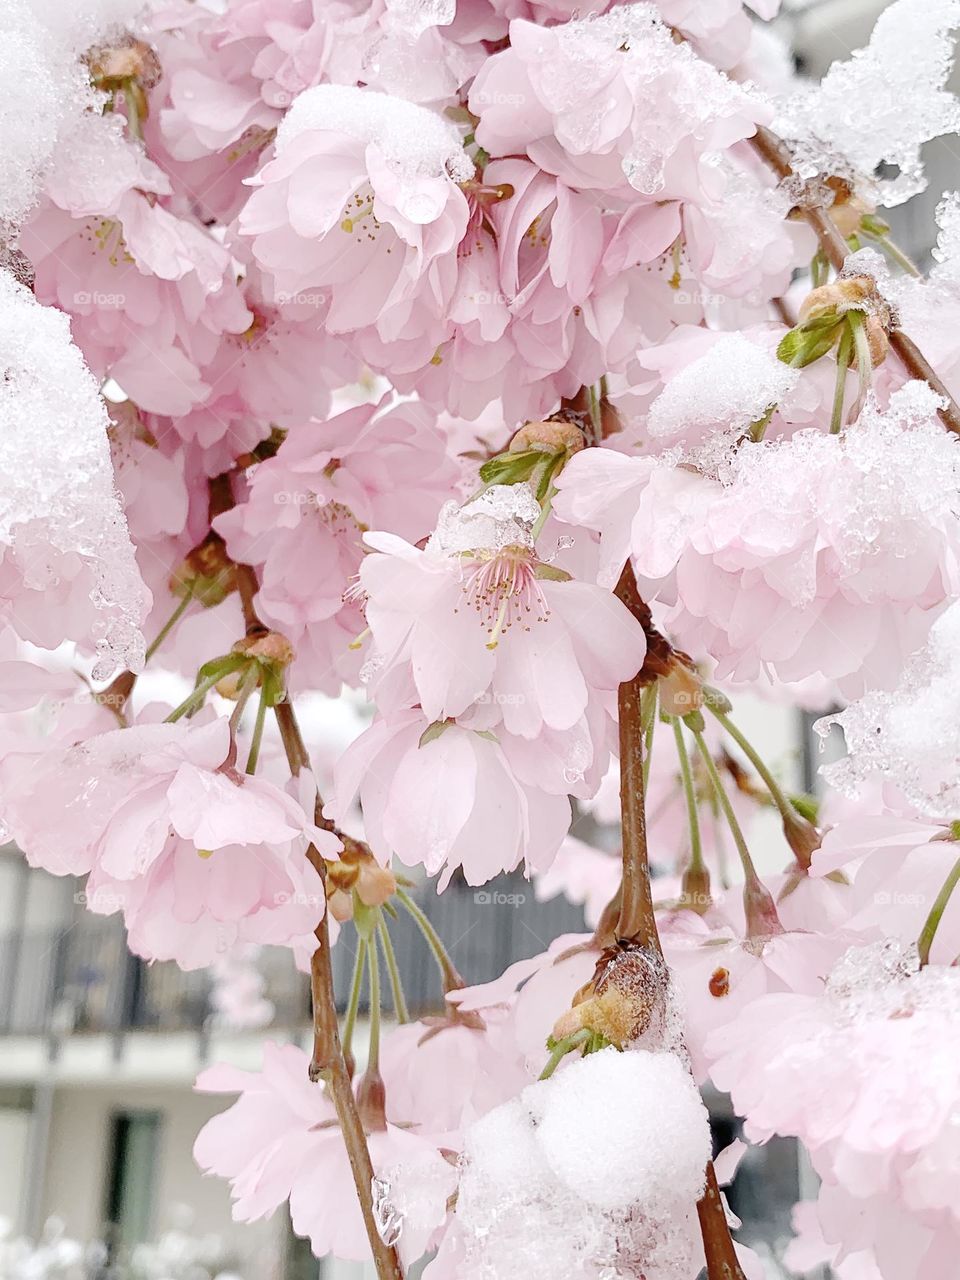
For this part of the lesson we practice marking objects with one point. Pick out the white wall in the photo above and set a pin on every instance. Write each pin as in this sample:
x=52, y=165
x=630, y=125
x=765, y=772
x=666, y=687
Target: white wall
x=14, y=1143
x=77, y=1158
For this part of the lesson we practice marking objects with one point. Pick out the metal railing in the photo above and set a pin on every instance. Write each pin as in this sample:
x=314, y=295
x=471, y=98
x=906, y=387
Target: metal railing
x=81, y=978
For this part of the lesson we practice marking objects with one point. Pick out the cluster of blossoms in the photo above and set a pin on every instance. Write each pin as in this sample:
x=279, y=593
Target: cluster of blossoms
x=531, y=377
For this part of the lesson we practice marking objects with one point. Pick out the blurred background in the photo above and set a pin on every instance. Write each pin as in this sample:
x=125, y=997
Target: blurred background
x=99, y=1051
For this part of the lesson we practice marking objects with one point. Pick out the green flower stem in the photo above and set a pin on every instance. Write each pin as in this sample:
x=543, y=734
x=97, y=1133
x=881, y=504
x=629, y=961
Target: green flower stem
x=168, y=626
x=250, y=681
x=799, y=831
x=257, y=739
x=689, y=791
x=451, y=979
x=563, y=1047
x=929, y=930
x=353, y=1000
x=194, y=700
x=864, y=358
x=373, y=966
x=844, y=354
x=749, y=870
x=396, y=985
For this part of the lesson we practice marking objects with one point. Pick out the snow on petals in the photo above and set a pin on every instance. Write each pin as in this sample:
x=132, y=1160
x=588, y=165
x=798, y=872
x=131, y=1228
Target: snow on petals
x=67, y=566
x=820, y=554
x=361, y=206
x=456, y=624
x=280, y=1140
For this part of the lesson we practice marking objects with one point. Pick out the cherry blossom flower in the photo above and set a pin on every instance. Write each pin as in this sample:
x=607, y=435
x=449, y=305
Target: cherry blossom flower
x=280, y=1140
x=196, y=859
x=801, y=556
x=378, y=234
x=446, y=797
x=601, y=101
x=845, y=1071
x=301, y=522
x=456, y=624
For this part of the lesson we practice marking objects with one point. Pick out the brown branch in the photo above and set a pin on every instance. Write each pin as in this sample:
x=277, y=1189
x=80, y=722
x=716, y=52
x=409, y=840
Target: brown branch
x=637, y=921
x=327, y=1062
x=721, y=1257
x=776, y=155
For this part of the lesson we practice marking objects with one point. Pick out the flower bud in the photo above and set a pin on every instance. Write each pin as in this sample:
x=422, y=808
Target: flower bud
x=375, y=884
x=629, y=998
x=115, y=65
x=695, y=890
x=340, y=905
x=848, y=209
x=268, y=646
x=206, y=573
x=853, y=293
x=681, y=689
x=229, y=686
x=556, y=437
x=372, y=1101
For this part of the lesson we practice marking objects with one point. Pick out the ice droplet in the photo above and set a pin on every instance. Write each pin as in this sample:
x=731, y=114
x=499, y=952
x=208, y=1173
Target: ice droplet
x=386, y=1215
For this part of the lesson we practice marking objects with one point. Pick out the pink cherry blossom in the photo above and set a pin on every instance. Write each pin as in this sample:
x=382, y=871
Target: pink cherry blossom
x=301, y=522
x=766, y=565
x=280, y=1140
x=445, y=797
x=195, y=856
x=843, y=1071
x=492, y=624
x=600, y=102
x=378, y=235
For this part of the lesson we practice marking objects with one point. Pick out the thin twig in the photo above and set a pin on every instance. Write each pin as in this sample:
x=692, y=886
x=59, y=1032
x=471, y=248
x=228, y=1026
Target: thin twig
x=637, y=919
x=776, y=154
x=328, y=1062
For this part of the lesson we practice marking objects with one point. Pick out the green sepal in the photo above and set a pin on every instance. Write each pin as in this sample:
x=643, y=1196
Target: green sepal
x=551, y=573
x=512, y=468
x=806, y=805
x=272, y=685
x=433, y=731
x=694, y=721
x=365, y=919
x=217, y=668
x=874, y=226
x=716, y=699
x=809, y=341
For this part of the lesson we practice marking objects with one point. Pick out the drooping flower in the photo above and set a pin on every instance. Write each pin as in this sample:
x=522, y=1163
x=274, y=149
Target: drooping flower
x=361, y=204
x=195, y=856
x=281, y=1141
x=821, y=554
x=867, y=1077
x=443, y=797
x=610, y=102
x=301, y=522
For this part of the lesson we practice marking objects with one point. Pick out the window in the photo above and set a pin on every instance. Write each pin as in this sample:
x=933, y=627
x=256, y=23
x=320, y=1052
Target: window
x=134, y=1146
